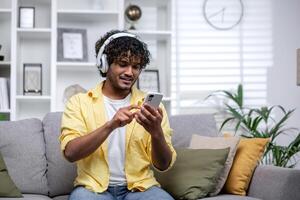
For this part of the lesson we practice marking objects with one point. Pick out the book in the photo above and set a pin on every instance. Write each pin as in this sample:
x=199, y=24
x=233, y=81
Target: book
x=4, y=94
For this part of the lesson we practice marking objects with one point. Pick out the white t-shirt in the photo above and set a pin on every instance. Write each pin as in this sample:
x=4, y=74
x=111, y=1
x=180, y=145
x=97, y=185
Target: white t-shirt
x=116, y=142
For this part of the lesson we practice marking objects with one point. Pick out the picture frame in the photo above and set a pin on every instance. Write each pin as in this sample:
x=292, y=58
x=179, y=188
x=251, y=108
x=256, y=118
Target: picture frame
x=26, y=17
x=148, y=80
x=32, y=79
x=71, y=45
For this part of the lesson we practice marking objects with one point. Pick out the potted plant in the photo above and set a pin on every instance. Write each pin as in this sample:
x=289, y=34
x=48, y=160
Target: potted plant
x=260, y=123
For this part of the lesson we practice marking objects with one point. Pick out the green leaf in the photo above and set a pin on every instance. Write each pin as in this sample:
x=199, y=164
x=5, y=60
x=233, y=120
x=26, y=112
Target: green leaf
x=225, y=122
x=240, y=96
x=237, y=126
x=274, y=131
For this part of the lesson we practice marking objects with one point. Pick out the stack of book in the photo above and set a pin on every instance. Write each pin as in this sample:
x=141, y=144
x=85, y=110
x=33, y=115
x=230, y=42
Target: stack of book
x=4, y=94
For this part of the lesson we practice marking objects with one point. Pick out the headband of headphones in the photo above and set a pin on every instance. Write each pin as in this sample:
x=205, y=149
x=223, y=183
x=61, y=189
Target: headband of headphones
x=101, y=58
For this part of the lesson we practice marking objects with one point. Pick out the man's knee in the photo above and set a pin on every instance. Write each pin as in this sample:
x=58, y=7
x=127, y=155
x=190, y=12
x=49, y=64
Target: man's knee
x=81, y=193
x=157, y=193
x=153, y=193
x=78, y=193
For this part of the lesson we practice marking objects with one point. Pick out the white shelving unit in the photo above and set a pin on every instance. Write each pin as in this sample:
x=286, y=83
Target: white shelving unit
x=39, y=45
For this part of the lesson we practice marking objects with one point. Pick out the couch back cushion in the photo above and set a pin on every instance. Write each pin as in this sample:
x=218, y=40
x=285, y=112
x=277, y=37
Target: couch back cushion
x=184, y=126
x=61, y=173
x=23, y=150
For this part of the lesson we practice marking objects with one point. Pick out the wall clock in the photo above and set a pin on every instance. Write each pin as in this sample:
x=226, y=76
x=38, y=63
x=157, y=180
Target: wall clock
x=223, y=14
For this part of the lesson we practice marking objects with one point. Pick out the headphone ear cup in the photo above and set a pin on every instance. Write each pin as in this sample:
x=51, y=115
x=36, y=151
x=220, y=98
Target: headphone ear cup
x=104, y=63
x=98, y=63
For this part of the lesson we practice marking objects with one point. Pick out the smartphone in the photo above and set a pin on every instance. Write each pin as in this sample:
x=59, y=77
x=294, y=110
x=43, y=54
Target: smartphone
x=153, y=99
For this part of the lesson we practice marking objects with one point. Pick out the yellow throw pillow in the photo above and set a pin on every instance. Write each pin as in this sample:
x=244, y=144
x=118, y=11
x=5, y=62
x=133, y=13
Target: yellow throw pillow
x=248, y=155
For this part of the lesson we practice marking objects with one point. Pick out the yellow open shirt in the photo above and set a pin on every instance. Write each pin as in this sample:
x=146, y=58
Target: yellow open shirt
x=83, y=114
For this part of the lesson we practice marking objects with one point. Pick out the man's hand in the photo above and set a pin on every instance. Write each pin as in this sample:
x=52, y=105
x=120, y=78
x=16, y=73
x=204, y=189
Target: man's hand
x=122, y=117
x=150, y=118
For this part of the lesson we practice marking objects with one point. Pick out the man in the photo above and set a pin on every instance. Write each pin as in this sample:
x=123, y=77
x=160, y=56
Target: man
x=112, y=137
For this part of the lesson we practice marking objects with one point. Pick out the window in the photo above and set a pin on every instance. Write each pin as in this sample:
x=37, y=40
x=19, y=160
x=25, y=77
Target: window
x=206, y=59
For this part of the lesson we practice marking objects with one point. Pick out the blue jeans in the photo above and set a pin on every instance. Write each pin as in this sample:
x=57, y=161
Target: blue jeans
x=120, y=193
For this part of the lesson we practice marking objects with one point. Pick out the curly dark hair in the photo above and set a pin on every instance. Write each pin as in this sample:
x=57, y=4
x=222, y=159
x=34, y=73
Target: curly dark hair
x=120, y=47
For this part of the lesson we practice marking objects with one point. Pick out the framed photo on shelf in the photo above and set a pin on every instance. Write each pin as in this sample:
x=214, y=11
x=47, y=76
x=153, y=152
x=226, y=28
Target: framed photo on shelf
x=149, y=80
x=26, y=17
x=72, y=45
x=32, y=79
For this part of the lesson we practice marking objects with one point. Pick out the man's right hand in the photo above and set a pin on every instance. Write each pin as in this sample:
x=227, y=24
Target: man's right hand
x=123, y=116
x=83, y=146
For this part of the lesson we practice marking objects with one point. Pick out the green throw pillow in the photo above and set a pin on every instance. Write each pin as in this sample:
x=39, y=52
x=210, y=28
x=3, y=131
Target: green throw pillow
x=194, y=173
x=7, y=186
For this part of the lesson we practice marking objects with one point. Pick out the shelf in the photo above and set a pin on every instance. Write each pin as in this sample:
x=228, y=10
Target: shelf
x=34, y=30
x=150, y=34
x=86, y=15
x=35, y=1
x=5, y=10
x=76, y=66
x=5, y=111
x=88, y=12
x=4, y=64
x=33, y=98
x=152, y=3
x=35, y=33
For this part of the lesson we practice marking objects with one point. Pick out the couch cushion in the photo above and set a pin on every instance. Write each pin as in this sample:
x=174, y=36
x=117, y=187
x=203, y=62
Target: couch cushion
x=60, y=173
x=23, y=149
x=203, y=142
x=185, y=126
x=7, y=186
x=275, y=183
x=230, y=197
x=63, y=197
x=194, y=173
x=29, y=197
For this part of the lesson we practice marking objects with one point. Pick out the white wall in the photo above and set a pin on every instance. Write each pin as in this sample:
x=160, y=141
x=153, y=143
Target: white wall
x=282, y=88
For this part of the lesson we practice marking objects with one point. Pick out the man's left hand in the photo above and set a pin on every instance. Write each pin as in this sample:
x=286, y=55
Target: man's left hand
x=150, y=118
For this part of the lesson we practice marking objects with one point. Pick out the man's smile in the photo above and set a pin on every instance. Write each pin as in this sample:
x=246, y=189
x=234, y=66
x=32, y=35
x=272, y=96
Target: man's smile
x=126, y=80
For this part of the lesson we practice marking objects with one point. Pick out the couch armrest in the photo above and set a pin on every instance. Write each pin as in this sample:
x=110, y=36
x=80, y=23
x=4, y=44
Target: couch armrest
x=275, y=183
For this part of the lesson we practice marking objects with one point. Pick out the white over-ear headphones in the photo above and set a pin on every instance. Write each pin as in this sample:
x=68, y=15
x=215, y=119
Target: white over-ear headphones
x=101, y=59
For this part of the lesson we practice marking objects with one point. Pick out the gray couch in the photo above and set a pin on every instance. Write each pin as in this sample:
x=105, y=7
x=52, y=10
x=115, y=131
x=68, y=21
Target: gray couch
x=31, y=151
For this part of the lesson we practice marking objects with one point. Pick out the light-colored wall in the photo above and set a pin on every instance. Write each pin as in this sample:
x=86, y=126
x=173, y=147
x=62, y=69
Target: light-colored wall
x=282, y=88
